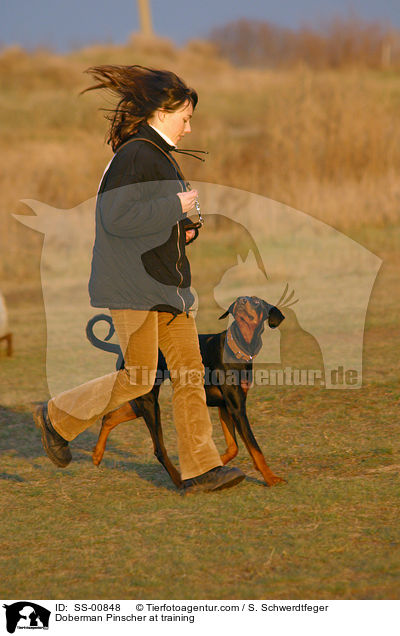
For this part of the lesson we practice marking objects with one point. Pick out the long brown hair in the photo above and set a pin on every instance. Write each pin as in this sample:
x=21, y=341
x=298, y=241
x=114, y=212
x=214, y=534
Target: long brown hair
x=141, y=91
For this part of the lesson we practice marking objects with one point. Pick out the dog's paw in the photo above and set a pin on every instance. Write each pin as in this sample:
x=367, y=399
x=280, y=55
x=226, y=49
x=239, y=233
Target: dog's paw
x=97, y=456
x=274, y=480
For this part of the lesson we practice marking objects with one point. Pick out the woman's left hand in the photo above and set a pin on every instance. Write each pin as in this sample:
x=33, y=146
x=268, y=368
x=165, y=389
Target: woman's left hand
x=190, y=234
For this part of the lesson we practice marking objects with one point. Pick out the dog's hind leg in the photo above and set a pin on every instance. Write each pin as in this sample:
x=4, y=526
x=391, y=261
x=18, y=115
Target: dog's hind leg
x=228, y=427
x=122, y=414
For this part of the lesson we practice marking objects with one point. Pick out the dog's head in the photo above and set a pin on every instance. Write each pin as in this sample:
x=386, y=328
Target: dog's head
x=250, y=313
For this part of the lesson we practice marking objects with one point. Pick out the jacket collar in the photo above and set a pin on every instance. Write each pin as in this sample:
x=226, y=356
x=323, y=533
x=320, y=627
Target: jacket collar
x=167, y=139
x=145, y=130
x=148, y=132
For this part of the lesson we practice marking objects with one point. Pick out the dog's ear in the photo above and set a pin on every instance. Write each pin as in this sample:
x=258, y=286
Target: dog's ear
x=275, y=317
x=273, y=314
x=266, y=309
x=228, y=311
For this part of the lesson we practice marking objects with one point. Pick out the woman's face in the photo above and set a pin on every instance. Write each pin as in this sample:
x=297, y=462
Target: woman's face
x=176, y=124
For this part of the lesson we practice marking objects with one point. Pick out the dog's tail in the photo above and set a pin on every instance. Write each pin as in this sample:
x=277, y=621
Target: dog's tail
x=103, y=344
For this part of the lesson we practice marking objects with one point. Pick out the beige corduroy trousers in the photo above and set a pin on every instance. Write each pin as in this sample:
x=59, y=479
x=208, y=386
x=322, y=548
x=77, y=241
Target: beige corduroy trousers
x=140, y=333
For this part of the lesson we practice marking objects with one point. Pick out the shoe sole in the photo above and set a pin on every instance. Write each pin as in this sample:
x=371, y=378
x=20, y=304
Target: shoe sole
x=227, y=484
x=41, y=425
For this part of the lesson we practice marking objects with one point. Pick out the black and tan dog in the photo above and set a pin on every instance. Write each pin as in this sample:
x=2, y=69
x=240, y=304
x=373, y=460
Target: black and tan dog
x=228, y=361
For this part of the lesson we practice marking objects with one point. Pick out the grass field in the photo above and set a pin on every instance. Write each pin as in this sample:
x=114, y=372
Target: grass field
x=123, y=531
x=330, y=148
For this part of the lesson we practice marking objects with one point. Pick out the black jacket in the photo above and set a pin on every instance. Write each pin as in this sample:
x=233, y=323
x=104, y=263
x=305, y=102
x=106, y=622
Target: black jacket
x=139, y=259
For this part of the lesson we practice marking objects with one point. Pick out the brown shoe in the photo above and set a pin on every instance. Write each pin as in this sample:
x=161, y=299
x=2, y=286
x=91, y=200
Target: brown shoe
x=215, y=479
x=55, y=446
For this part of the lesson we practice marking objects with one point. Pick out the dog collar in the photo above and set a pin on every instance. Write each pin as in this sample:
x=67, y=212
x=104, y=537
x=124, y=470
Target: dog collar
x=236, y=350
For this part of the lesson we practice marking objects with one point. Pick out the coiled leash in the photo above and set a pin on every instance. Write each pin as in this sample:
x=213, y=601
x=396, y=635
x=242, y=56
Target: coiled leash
x=189, y=151
x=185, y=184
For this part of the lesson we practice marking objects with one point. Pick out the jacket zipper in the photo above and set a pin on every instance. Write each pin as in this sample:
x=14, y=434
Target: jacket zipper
x=181, y=181
x=177, y=268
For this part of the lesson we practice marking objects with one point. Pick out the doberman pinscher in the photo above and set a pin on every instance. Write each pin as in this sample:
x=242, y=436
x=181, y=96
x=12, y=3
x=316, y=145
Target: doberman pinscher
x=228, y=361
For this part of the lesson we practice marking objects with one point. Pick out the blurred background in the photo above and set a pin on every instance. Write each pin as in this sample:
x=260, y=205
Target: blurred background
x=299, y=101
x=64, y=26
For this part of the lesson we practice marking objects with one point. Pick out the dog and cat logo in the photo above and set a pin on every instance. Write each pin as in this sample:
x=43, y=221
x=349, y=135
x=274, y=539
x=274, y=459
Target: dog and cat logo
x=331, y=275
x=26, y=615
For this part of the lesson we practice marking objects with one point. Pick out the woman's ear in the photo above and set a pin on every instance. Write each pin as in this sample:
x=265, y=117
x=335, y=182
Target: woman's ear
x=157, y=115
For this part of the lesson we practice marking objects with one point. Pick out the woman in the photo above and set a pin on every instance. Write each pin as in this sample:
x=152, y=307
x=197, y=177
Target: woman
x=141, y=273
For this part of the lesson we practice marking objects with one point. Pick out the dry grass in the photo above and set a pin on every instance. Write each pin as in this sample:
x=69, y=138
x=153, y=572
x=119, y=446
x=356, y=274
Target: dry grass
x=327, y=143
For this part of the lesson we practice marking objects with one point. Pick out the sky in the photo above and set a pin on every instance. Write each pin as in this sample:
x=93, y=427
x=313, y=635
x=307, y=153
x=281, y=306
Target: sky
x=63, y=25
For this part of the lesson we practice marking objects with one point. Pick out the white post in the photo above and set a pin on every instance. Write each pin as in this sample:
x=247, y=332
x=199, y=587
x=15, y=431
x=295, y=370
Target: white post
x=3, y=316
x=146, y=27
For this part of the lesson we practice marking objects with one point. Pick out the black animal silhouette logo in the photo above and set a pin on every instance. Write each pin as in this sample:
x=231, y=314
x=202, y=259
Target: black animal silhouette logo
x=26, y=615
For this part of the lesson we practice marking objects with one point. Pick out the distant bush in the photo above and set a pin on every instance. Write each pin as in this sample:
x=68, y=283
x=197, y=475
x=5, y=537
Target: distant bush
x=338, y=43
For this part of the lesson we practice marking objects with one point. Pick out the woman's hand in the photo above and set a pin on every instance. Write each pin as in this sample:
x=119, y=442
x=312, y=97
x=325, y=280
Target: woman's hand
x=190, y=234
x=188, y=199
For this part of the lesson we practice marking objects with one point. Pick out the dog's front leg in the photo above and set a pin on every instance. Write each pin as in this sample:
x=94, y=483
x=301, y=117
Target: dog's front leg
x=236, y=404
x=228, y=427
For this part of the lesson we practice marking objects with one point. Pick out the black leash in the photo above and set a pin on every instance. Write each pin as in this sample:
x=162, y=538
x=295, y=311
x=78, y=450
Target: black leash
x=190, y=151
